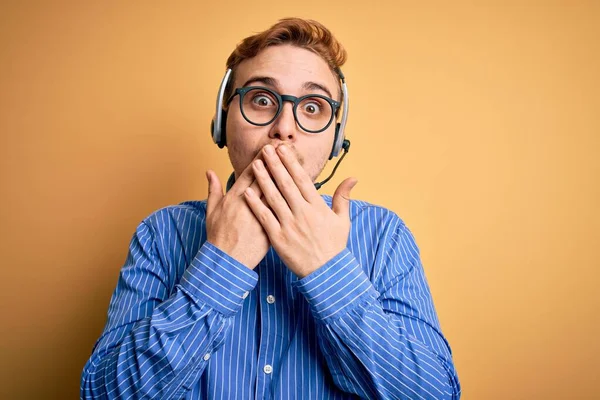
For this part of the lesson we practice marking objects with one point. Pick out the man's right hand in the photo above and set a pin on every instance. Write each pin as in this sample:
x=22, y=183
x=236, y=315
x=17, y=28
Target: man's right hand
x=230, y=223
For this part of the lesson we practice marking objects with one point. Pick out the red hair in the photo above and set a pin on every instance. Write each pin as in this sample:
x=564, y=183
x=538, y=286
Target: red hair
x=304, y=33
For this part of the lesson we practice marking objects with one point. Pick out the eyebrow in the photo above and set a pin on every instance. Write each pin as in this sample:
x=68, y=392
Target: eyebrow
x=269, y=81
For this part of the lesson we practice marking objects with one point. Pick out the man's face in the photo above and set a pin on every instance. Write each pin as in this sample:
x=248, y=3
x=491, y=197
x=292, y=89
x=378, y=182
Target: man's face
x=292, y=71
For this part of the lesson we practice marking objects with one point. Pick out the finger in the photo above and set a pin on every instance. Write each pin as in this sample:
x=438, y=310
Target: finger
x=270, y=192
x=245, y=179
x=281, y=176
x=215, y=191
x=262, y=213
x=298, y=174
x=341, y=197
x=256, y=188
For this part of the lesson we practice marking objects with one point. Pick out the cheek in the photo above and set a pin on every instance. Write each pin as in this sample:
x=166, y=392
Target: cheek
x=316, y=156
x=242, y=141
x=236, y=139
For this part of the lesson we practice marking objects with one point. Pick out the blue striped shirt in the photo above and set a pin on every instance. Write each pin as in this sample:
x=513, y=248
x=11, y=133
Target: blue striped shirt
x=187, y=321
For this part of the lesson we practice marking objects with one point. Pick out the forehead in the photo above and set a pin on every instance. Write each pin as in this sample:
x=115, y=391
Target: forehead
x=291, y=66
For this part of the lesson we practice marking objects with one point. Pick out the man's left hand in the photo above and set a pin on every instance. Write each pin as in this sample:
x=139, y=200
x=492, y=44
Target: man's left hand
x=304, y=231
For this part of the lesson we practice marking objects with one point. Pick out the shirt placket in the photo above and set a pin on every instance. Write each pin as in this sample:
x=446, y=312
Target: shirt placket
x=267, y=357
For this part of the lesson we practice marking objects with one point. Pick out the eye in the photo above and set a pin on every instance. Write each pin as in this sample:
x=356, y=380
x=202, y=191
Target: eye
x=263, y=100
x=311, y=107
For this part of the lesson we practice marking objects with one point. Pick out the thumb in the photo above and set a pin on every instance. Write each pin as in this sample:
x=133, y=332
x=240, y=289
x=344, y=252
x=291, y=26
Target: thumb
x=215, y=191
x=341, y=197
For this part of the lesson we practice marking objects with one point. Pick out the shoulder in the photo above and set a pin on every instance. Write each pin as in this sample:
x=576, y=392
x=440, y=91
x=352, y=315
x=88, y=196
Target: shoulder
x=176, y=216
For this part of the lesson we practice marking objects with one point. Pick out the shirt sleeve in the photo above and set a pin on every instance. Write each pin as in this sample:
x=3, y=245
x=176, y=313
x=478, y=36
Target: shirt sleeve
x=381, y=336
x=158, y=339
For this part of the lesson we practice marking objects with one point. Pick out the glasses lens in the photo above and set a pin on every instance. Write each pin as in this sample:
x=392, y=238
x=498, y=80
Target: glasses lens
x=314, y=113
x=260, y=106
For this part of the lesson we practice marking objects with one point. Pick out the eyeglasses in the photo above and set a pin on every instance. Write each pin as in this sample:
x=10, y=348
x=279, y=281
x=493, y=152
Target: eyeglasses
x=261, y=106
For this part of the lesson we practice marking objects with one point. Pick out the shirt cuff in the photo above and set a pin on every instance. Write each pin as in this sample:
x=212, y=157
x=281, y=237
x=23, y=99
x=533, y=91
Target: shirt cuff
x=217, y=279
x=336, y=286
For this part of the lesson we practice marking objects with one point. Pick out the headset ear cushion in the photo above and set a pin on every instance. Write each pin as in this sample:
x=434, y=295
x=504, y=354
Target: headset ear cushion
x=335, y=139
x=223, y=142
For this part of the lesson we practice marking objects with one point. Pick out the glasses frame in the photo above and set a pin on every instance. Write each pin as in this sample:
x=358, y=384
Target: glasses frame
x=281, y=98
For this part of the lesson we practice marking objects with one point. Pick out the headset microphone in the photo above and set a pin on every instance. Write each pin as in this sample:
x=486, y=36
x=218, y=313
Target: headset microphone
x=346, y=147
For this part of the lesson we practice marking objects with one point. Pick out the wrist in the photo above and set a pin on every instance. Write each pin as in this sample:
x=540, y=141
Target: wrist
x=231, y=249
x=305, y=267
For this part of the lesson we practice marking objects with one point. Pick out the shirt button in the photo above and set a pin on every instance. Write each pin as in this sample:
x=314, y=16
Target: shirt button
x=206, y=356
x=268, y=369
x=245, y=295
x=270, y=299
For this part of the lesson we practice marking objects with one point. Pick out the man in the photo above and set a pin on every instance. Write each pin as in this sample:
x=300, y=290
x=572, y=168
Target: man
x=271, y=290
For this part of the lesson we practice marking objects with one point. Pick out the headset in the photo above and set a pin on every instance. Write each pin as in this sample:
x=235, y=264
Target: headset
x=218, y=124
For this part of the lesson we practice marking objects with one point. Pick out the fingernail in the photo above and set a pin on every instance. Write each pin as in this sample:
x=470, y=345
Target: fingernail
x=283, y=149
x=269, y=149
x=258, y=164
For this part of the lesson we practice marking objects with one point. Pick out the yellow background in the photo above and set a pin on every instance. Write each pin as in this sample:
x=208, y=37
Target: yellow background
x=478, y=123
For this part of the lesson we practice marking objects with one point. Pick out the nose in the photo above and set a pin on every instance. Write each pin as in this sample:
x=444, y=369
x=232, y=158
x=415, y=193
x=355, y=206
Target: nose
x=284, y=127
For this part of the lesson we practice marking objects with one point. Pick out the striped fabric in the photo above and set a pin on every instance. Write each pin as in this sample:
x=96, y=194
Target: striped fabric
x=186, y=321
